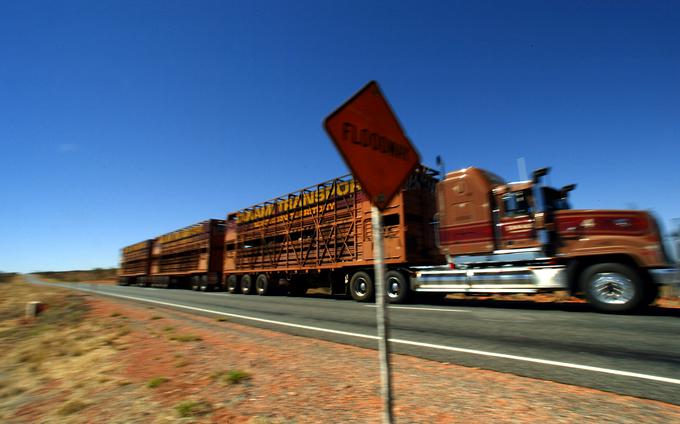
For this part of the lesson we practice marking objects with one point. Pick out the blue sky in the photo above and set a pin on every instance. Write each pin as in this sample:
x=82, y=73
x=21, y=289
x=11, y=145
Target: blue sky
x=122, y=120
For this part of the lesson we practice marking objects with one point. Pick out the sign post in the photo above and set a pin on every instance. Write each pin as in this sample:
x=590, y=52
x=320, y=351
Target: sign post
x=382, y=317
x=370, y=139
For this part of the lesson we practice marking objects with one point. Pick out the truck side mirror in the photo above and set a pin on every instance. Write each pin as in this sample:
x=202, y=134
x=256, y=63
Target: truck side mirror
x=537, y=174
x=566, y=189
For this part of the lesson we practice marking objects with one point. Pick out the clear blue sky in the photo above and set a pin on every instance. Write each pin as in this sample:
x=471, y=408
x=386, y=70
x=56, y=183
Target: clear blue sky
x=122, y=120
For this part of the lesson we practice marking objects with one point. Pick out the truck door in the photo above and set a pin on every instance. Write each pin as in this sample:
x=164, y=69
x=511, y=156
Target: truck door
x=516, y=224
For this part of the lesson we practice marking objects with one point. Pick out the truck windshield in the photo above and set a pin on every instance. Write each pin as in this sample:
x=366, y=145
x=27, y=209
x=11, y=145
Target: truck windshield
x=554, y=200
x=516, y=203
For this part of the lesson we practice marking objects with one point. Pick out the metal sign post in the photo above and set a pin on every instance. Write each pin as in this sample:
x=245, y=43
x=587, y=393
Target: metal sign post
x=382, y=317
x=369, y=137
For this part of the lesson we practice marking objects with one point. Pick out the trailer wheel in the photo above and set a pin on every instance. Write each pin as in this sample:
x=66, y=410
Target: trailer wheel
x=232, y=284
x=397, y=287
x=194, y=283
x=247, y=284
x=203, y=283
x=361, y=287
x=262, y=286
x=613, y=287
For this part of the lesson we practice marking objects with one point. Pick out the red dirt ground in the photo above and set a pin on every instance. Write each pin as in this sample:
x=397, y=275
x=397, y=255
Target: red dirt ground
x=302, y=380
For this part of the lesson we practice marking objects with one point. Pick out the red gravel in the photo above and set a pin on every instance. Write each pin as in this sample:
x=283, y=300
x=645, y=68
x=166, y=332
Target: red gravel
x=303, y=380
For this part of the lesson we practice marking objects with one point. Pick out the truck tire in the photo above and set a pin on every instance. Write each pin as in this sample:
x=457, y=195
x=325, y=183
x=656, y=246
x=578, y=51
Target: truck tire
x=397, y=288
x=232, y=284
x=203, y=283
x=361, y=287
x=612, y=287
x=247, y=286
x=262, y=286
x=194, y=283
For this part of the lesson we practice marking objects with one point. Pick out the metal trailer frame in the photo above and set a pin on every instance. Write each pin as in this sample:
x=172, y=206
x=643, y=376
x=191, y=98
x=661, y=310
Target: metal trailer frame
x=190, y=257
x=322, y=234
x=135, y=262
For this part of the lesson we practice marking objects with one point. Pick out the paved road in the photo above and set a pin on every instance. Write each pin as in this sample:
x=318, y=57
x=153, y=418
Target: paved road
x=636, y=355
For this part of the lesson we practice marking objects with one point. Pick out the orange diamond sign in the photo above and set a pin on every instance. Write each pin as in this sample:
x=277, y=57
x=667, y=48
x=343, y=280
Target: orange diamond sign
x=371, y=141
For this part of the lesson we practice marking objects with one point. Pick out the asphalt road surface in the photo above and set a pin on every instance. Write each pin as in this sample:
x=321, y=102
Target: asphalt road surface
x=637, y=355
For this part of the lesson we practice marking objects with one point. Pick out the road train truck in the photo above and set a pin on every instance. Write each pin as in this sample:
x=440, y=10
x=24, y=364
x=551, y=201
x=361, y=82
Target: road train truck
x=469, y=232
x=191, y=257
x=135, y=262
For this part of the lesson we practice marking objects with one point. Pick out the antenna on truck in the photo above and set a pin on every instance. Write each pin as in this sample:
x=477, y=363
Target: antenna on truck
x=522, y=168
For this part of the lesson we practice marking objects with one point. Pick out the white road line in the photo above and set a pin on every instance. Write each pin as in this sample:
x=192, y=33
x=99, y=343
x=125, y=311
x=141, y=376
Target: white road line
x=268, y=321
x=407, y=342
x=540, y=361
x=416, y=308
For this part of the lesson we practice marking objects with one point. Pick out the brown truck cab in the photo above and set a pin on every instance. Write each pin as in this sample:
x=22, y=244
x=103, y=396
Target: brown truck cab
x=524, y=237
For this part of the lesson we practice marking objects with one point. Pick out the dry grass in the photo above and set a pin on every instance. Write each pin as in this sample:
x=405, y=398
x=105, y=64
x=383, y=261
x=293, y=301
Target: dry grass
x=61, y=348
x=98, y=274
x=6, y=277
x=231, y=376
x=191, y=408
x=156, y=381
x=72, y=407
x=185, y=338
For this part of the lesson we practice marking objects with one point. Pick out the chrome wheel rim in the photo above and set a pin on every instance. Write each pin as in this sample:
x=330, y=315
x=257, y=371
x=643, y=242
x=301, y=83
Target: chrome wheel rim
x=612, y=288
x=393, y=287
x=361, y=288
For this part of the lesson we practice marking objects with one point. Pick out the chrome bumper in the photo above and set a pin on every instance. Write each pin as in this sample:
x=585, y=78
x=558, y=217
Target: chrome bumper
x=666, y=276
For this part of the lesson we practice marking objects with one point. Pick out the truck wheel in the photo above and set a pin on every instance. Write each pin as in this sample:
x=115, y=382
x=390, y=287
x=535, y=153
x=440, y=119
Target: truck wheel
x=194, y=283
x=612, y=287
x=262, y=285
x=203, y=283
x=397, y=287
x=247, y=284
x=361, y=287
x=232, y=284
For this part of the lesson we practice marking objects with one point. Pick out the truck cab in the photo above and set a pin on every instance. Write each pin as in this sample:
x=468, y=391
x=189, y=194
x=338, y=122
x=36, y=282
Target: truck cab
x=524, y=237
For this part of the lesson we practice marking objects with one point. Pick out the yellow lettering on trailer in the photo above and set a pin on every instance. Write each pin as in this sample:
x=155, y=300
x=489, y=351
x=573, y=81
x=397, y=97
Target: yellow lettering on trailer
x=300, y=201
x=180, y=234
